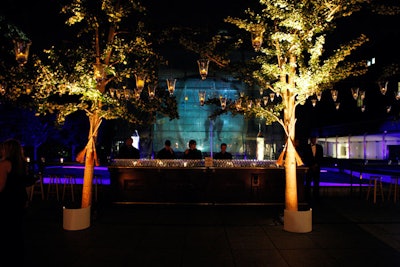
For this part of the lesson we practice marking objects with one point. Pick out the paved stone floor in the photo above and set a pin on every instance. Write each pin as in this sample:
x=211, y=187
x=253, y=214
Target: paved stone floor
x=347, y=231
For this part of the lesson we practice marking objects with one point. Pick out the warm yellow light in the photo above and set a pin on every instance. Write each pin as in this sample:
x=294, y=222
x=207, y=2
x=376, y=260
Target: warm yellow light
x=171, y=85
x=203, y=67
x=28, y=88
x=354, y=92
x=140, y=84
x=140, y=80
x=223, y=102
x=202, y=97
x=152, y=91
x=257, y=37
x=21, y=49
x=238, y=104
x=314, y=102
x=334, y=94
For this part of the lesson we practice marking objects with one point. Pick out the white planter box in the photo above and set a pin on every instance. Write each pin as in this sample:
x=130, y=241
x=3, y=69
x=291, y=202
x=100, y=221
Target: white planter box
x=297, y=221
x=76, y=219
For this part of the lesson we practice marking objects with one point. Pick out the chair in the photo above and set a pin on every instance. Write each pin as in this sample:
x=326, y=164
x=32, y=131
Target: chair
x=69, y=182
x=394, y=181
x=375, y=181
x=52, y=187
x=97, y=180
x=37, y=187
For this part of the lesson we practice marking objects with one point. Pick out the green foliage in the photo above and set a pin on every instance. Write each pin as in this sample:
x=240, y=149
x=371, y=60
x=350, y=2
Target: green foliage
x=110, y=34
x=292, y=61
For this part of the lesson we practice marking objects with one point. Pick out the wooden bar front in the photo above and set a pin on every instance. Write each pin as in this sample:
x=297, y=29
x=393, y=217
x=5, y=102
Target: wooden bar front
x=202, y=184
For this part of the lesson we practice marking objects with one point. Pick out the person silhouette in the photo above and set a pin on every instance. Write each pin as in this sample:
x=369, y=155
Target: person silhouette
x=166, y=152
x=313, y=155
x=128, y=151
x=223, y=154
x=192, y=152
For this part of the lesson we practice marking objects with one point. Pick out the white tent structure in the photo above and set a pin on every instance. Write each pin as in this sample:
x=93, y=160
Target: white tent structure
x=384, y=146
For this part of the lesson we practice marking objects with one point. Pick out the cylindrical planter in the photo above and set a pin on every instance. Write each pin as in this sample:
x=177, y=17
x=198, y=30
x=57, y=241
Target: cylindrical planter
x=297, y=221
x=76, y=218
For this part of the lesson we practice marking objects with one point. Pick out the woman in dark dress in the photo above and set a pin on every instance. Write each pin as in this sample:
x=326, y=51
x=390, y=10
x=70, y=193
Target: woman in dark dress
x=13, y=200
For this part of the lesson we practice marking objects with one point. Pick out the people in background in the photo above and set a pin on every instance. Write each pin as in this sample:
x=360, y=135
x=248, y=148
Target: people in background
x=223, y=154
x=299, y=148
x=166, y=152
x=13, y=201
x=128, y=151
x=313, y=155
x=192, y=152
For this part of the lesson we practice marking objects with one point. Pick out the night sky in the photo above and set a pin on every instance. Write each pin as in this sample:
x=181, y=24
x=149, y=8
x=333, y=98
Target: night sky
x=43, y=23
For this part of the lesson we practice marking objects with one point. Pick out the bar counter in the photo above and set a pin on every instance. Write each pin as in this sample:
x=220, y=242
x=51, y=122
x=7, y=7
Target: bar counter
x=200, y=181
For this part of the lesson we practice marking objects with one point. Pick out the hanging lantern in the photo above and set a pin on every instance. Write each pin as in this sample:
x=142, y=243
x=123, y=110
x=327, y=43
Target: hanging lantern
x=398, y=91
x=223, y=102
x=140, y=80
x=203, y=67
x=171, y=82
x=127, y=93
x=202, y=97
x=238, y=104
x=383, y=87
x=272, y=97
x=152, y=91
x=3, y=87
x=334, y=94
x=118, y=93
x=319, y=95
x=258, y=102
x=354, y=92
x=265, y=100
x=362, y=94
x=249, y=103
x=314, y=102
x=257, y=37
x=21, y=48
x=137, y=94
x=99, y=71
x=112, y=92
x=28, y=88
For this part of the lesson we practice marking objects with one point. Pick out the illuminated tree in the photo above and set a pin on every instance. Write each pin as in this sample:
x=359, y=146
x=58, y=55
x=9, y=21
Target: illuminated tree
x=94, y=73
x=289, y=38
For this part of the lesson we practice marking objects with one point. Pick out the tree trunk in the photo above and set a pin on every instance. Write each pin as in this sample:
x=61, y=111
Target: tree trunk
x=291, y=202
x=89, y=156
x=88, y=179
